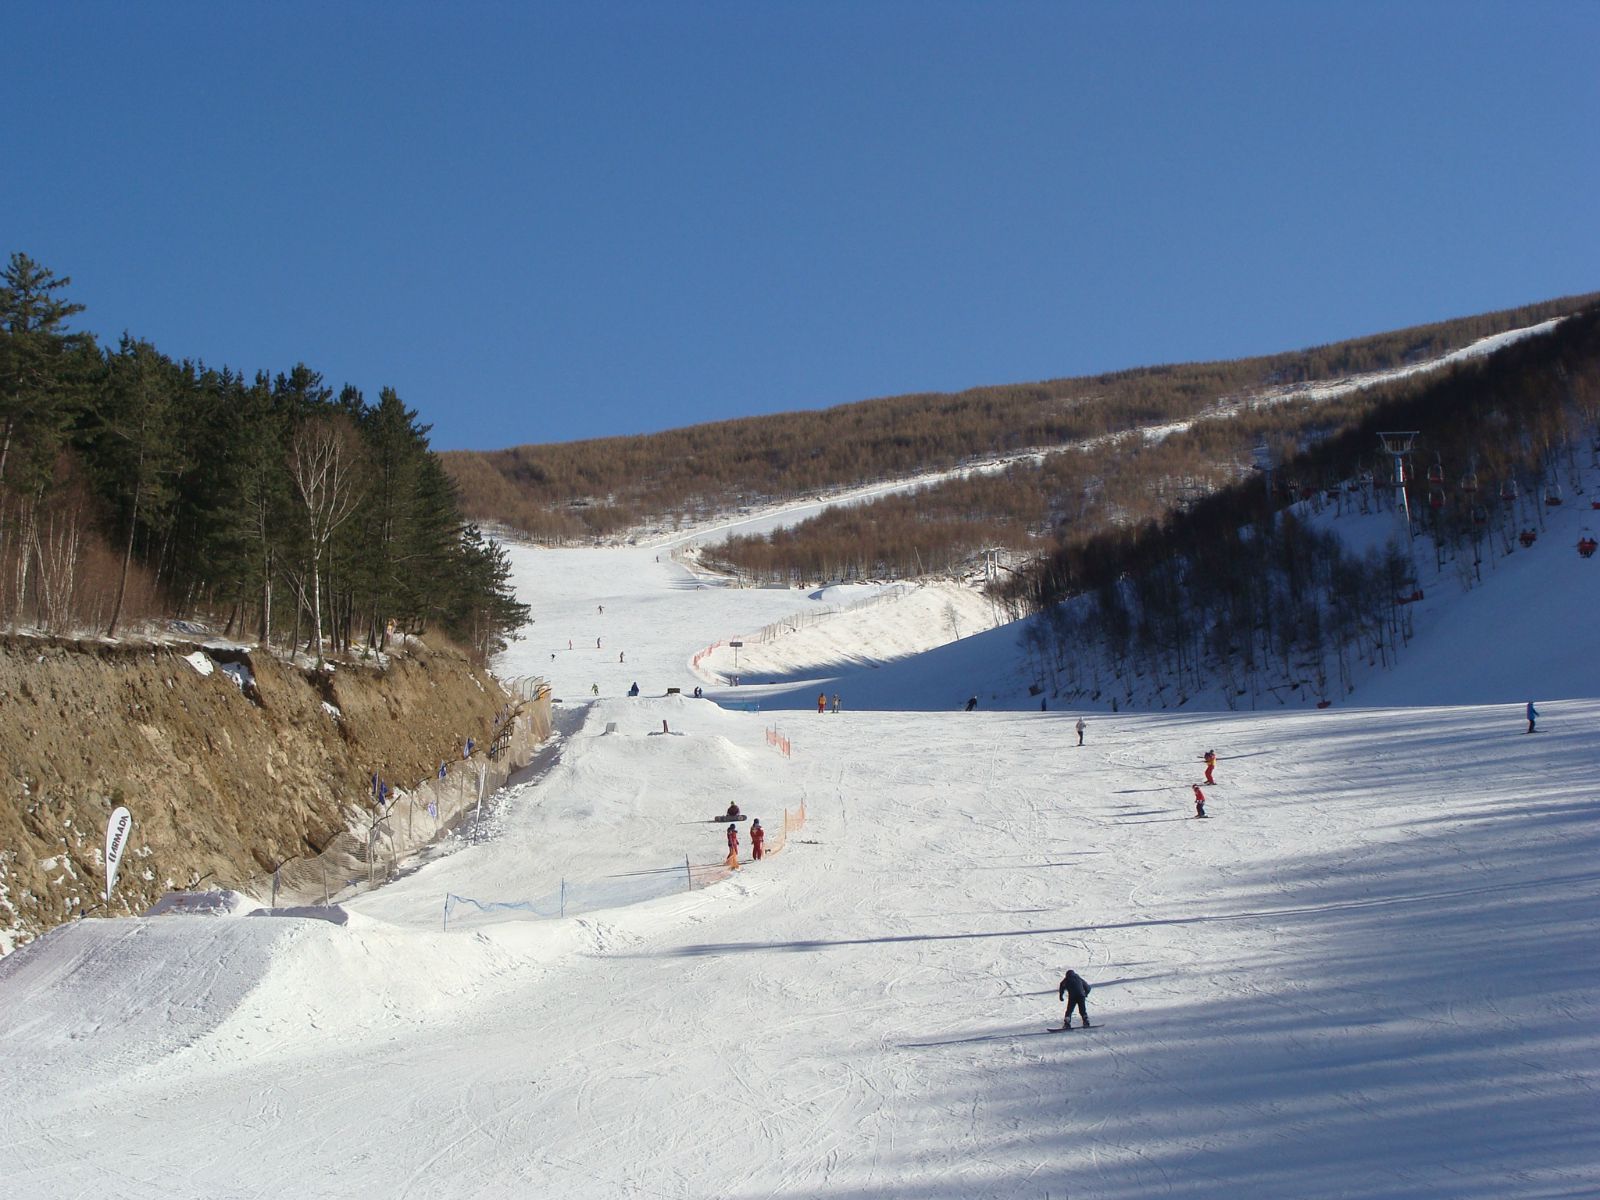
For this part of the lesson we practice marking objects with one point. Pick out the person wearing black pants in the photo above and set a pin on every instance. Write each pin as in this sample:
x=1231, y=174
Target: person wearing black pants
x=1075, y=991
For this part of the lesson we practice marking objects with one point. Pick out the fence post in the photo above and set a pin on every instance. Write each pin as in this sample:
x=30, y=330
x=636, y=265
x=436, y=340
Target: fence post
x=688, y=874
x=325, y=898
x=275, y=871
x=563, y=897
x=447, y=912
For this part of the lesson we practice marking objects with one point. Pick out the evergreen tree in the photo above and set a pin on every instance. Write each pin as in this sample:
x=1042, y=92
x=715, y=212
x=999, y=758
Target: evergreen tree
x=134, y=438
x=42, y=368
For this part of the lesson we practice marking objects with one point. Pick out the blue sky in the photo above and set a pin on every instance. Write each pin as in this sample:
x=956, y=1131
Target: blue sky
x=548, y=222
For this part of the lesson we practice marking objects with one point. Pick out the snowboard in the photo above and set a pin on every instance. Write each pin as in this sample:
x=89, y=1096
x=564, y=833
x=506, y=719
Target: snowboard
x=1071, y=1029
x=725, y=818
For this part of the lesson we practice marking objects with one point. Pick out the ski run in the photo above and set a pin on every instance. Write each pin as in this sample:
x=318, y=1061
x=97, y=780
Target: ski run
x=1371, y=972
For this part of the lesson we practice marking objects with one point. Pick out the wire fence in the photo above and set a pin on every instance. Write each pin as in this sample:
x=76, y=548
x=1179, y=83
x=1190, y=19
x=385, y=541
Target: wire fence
x=400, y=820
x=576, y=896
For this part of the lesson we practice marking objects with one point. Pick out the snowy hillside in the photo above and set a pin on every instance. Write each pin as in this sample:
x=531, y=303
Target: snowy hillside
x=1369, y=973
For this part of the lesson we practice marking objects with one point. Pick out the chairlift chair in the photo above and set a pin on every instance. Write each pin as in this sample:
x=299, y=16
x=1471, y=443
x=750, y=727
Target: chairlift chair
x=1469, y=482
x=1436, y=472
x=1508, y=491
x=1552, y=495
x=1436, y=498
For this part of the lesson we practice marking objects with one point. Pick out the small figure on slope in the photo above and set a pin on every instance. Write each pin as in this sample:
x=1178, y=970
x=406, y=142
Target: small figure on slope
x=836, y=702
x=1074, y=990
x=758, y=837
x=1211, y=764
x=822, y=702
x=972, y=703
x=1199, y=801
x=733, y=812
x=1080, y=731
x=733, y=840
x=634, y=690
x=1533, y=715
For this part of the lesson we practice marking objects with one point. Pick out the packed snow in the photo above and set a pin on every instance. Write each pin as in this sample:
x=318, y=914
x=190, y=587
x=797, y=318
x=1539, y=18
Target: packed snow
x=1370, y=972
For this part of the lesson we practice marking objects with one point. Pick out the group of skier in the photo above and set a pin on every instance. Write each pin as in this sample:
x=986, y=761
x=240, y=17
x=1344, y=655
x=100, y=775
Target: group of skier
x=758, y=835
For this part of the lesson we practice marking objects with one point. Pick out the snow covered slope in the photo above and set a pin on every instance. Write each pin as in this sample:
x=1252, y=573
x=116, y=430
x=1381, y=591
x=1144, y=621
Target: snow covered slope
x=1369, y=974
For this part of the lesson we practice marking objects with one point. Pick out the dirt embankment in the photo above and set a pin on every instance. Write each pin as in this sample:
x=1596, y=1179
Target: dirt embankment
x=224, y=780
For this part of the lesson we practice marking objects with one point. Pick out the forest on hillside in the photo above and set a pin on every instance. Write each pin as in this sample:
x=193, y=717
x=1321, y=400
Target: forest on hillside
x=578, y=491
x=136, y=488
x=1241, y=588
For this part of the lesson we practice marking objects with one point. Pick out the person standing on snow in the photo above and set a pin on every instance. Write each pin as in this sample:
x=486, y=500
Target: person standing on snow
x=1533, y=715
x=1074, y=990
x=822, y=702
x=1199, y=801
x=1080, y=731
x=972, y=703
x=733, y=839
x=836, y=702
x=758, y=837
x=1211, y=764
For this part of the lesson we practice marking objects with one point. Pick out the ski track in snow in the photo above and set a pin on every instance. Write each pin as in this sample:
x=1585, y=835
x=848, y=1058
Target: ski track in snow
x=1368, y=974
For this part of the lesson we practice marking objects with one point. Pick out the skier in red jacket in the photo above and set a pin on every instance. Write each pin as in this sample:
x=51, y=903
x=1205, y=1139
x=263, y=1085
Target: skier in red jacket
x=733, y=839
x=1199, y=801
x=758, y=838
x=1211, y=764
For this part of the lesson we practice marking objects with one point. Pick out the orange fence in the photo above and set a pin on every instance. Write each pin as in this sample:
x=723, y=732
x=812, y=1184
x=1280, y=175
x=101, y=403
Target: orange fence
x=705, y=874
x=695, y=661
x=783, y=744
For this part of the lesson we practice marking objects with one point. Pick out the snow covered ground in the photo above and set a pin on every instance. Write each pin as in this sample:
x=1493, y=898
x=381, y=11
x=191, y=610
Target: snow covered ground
x=1371, y=972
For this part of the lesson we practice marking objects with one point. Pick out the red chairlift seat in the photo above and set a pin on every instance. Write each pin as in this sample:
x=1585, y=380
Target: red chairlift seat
x=1508, y=491
x=1436, y=499
x=1436, y=473
x=1527, y=537
x=1552, y=496
x=1469, y=482
x=1587, y=546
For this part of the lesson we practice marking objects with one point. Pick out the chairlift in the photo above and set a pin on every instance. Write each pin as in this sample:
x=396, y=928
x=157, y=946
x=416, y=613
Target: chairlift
x=1469, y=482
x=1436, y=498
x=1552, y=495
x=1587, y=545
x=1480, y=515
x=1508, y=491
x=1436, y=472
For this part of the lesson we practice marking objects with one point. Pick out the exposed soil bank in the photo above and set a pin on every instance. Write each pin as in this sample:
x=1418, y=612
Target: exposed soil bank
x=224, y=780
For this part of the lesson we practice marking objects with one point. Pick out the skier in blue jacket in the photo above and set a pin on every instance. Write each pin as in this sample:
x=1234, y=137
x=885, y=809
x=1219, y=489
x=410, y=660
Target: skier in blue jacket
x=1533, y=715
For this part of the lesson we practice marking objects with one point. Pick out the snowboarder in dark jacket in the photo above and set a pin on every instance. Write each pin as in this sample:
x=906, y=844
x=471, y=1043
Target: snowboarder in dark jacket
x=1074, y=990
x=1533, y=715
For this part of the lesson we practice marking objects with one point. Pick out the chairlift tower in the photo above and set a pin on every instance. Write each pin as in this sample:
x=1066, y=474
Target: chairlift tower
x=1399, y=445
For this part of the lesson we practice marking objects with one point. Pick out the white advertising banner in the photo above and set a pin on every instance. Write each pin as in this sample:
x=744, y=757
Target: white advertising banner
x=116, y=842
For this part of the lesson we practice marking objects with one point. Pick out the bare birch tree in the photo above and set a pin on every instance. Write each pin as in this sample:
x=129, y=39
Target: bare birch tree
x=324, y=460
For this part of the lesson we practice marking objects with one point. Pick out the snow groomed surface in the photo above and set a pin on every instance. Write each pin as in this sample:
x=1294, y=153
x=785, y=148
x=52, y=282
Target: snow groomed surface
x=1369, y=974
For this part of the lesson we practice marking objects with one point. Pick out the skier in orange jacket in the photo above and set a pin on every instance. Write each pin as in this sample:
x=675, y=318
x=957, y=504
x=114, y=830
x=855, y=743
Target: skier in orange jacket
x=1211, y=765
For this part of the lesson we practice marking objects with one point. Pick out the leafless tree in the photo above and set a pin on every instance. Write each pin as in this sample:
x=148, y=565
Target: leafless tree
x=324, y=462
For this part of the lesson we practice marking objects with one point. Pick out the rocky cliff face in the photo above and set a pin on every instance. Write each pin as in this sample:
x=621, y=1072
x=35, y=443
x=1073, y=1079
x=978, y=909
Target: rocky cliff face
x=230, y=761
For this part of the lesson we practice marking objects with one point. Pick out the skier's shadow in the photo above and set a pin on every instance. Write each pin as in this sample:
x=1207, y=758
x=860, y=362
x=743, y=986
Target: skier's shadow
x=982, y=1037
